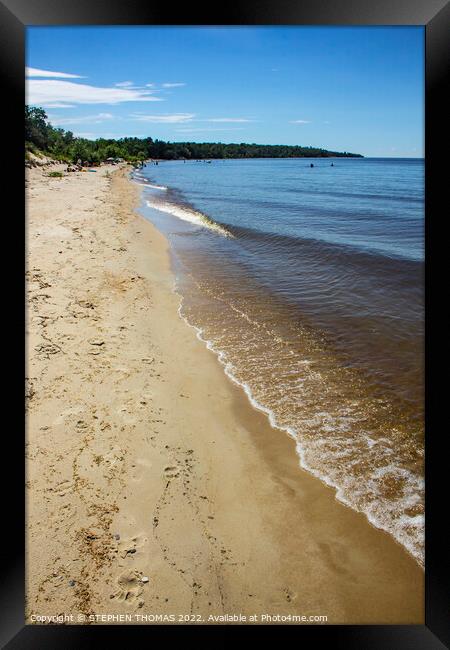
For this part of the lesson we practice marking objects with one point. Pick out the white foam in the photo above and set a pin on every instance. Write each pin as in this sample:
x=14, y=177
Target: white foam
x=137, y=176
x=156, y=187
x=399, y=527
x=187, y=214
x=153, y=187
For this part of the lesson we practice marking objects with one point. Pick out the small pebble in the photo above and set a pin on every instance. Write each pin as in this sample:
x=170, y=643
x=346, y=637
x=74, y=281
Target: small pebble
x=144, y=579
x=71, y=583
x=117, y=536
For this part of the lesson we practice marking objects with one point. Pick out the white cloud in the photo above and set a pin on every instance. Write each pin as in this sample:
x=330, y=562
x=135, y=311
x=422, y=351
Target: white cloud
x=176, y=118
x=173, y=85
x=34, y=72
x=44, y=92
x=300, y=122
x=89, y=119
x=228, y=119
x=58, y=105
x=124, y=84
x=208, y=130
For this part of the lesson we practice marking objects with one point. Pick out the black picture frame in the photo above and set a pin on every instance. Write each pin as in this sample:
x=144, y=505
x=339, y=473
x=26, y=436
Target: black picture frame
x=15, y=15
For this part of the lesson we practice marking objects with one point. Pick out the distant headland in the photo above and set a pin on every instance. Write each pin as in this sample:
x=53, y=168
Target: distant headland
x=42, y=137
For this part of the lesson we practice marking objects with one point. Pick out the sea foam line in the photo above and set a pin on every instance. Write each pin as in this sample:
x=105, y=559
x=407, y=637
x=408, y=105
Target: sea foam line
x=184, y=213
x=187, y=214
x=398, y=535
x=137, y=177
x=156, y=187
x=150, y=185
x=153, y=187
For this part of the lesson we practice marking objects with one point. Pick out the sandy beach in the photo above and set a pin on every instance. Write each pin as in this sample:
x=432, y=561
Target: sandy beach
x=154, y=488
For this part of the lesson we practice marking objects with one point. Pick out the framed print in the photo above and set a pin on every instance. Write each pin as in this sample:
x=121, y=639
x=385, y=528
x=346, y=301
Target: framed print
x=232, y=257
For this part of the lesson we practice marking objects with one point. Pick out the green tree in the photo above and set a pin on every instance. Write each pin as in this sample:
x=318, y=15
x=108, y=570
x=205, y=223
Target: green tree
x=36, y=130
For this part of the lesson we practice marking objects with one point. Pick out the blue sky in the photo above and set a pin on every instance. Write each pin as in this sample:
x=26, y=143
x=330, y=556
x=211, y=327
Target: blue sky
x=358, y=89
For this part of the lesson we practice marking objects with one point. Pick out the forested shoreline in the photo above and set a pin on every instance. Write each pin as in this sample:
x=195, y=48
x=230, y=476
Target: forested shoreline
x=43, y=138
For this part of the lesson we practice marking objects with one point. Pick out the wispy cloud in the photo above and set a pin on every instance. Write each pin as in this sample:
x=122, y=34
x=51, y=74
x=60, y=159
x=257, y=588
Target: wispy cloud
x=87, y=119
x=173, y=85
x=196, y=130
x=228, y=119
x=300, y=122
x=124, y=84
x=59, y=105
x=175, y=118
x=48, y=92
x=35, y=72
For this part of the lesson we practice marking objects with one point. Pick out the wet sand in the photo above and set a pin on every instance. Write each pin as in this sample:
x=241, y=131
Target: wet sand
x=153, y=486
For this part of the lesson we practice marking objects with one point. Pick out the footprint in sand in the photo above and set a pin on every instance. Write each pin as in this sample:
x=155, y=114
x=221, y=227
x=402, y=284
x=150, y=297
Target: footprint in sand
x=62, y=488
x=289, y=595
x=129, y=587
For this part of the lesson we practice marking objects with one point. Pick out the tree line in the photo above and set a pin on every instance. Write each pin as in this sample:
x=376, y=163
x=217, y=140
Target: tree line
x=42, y=137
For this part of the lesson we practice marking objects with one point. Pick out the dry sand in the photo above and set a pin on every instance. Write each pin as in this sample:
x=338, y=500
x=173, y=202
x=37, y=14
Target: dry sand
x=153, y=486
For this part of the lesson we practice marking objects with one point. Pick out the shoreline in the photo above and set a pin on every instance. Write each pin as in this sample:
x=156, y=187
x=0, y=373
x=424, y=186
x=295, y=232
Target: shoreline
x=145, y=461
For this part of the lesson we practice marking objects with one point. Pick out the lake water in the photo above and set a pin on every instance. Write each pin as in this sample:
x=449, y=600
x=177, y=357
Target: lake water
x=308, y=284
